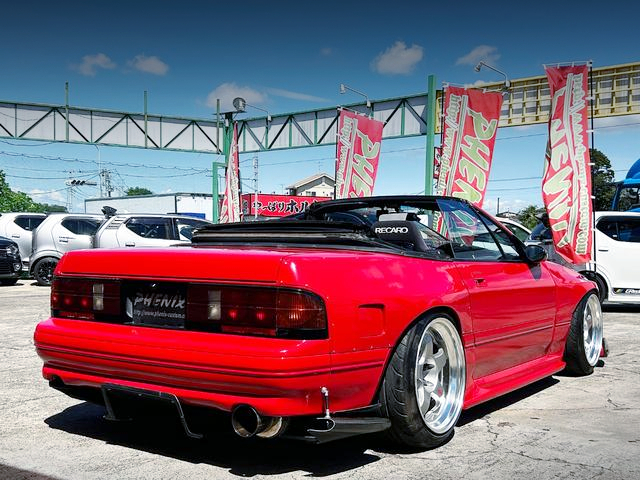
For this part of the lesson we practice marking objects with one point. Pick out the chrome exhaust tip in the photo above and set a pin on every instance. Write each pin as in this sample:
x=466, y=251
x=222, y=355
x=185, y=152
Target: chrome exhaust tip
x=246, y=422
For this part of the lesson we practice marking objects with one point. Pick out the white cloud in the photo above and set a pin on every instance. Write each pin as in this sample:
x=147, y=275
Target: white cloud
x=150, y=64
x=44, y=196
x=506, y=205
x=226, y=92
x=483, y=53
x=398, y=59
x=295, y=95
x=325, y=52
x=477, y=84
x=90, y=64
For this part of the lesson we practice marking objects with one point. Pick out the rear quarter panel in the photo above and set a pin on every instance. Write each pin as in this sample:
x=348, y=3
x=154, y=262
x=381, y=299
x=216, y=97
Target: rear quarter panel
x=372, y=299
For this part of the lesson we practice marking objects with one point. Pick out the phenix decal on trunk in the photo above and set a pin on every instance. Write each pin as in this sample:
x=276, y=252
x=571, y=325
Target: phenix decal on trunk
x=470, y=127
x=357, y=154
x=566, y=186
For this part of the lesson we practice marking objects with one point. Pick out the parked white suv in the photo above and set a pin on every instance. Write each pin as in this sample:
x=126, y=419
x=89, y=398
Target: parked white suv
x=615, y=267
x=146, y=230
x=18, y=227
x=516, y=228
x=616, y=259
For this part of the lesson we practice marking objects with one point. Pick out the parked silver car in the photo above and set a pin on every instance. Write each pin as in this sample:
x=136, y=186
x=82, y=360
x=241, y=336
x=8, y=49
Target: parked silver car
x=146, y=230
x=19, y=226
x=58, y=234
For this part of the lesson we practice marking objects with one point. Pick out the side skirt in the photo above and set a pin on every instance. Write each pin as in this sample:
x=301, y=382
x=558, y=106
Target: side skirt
x=500, y=383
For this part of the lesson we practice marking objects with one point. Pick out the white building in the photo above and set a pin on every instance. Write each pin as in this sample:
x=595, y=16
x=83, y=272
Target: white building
x=318, y=185
x=194, y=204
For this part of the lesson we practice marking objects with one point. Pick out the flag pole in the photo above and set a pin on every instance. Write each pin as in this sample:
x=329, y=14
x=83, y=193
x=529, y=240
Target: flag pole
x=431, y=134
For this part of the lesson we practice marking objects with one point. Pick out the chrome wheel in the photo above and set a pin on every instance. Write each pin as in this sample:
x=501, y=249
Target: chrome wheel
x=592, y=329
x=439, y=375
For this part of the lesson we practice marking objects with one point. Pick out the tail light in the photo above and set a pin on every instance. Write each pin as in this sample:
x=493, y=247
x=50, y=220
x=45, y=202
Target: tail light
x=272, y=312
x=261, y=311
x=84, y=299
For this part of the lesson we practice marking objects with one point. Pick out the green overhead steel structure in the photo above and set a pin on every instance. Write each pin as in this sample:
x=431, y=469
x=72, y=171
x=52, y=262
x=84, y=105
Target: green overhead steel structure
x=616, y=91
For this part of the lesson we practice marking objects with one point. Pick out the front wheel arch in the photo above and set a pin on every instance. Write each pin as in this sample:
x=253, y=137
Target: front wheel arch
x=601, y=283
x=584, y=339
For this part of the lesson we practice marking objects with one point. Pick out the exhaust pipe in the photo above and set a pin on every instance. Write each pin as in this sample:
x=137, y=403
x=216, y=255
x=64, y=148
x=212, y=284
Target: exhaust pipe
x=246, y=422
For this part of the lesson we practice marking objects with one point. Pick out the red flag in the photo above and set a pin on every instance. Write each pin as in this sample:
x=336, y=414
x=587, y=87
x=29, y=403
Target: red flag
x=230, y=211
x=470, y=127
x=357, y=155
x=566, y=186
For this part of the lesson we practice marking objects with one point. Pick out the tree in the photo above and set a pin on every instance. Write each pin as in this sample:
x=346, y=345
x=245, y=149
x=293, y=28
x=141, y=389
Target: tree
x=529, y=216
x=602, y=177
x=50, y=208
x=133, y=191
x=11, y=201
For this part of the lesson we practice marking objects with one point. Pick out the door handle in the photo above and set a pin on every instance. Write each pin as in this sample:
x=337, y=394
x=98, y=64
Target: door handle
x=479, y=281
x=600, y=249
x=15, y=236
x=129, y=244
x=63, y=239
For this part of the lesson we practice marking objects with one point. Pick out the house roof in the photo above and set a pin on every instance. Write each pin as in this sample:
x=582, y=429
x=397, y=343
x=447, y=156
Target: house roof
x=310, y=179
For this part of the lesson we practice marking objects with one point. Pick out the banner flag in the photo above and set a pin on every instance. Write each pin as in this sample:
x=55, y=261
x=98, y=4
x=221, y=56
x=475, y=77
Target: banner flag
x=230, y=211
x=470, y=126
x=566, y=185
x=357, y=154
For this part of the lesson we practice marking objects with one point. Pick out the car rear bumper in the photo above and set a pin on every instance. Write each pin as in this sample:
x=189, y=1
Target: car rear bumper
x=210, y=370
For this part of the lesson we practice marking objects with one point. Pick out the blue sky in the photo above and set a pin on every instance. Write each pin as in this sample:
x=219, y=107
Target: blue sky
x=286, y=56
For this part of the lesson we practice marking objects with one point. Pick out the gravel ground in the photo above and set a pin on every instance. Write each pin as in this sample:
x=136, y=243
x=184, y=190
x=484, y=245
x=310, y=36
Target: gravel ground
x=561, y=427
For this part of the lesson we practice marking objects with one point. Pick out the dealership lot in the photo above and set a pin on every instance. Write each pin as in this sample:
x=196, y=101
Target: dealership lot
x=562, y=427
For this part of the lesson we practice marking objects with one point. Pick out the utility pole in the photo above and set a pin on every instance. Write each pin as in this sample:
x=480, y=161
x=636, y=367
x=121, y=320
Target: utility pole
x=105, y=183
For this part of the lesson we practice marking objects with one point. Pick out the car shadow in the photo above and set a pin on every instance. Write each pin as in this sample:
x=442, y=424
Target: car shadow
x=484, y=409
x=620, y=308
x=242, y=457
x=7, y=472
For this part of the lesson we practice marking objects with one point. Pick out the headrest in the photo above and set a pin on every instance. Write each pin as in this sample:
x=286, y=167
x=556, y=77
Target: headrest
x=401, y=232
x=392, y=217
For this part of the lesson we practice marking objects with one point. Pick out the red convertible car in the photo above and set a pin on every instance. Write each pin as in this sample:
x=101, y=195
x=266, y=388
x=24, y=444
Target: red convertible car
x=363, y=315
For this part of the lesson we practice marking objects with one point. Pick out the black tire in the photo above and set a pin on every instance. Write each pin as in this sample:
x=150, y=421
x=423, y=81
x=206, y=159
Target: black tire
x=414, y=422
x=584, y=341
x=603, y=292
x=43, y=270
x=8, y=281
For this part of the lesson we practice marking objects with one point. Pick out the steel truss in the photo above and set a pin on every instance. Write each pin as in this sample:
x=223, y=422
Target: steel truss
x=616, y=92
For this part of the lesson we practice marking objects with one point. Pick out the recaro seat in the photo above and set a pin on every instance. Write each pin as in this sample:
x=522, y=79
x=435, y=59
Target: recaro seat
x=404, y=233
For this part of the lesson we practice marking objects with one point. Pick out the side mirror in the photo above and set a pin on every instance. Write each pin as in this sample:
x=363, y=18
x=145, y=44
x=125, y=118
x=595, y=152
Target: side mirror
x=535, y=254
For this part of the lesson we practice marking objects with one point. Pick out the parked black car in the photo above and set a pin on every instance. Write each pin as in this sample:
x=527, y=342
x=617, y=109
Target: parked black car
x=10, y=263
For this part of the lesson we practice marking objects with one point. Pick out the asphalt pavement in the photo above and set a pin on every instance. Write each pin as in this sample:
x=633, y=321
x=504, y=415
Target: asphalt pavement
x=561, y=427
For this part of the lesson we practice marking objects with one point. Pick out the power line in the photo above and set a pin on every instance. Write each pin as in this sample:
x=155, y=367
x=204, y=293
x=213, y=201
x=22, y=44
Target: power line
x=93, y=162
